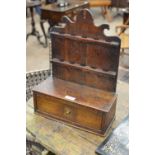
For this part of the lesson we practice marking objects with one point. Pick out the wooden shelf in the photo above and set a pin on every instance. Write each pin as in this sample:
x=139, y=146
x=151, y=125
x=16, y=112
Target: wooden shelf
x=86, y=39
x=110, y=73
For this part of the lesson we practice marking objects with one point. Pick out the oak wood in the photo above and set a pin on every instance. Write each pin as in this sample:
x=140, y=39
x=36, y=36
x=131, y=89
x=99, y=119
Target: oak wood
x=79, y=47
x=84, y=95
x=82, y=88
x=89, y=110
x=95, y=78
x=66, y=140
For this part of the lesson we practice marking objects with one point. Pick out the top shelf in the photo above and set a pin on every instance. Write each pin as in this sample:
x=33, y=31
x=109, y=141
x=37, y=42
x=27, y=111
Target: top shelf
x=86, y=39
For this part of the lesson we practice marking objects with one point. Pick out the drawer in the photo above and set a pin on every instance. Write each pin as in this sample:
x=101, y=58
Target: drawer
x=69, y=111
x=89, y=117
x=55, y=107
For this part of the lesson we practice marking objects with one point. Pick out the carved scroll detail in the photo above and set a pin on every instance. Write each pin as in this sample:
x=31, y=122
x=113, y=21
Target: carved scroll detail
x=83, y=54
x=84, y=26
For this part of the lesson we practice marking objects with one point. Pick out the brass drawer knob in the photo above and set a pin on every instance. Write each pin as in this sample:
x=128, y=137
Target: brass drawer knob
x=67, y=111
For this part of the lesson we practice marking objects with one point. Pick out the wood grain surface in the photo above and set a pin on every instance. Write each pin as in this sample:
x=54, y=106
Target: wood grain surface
x=90, y=109
x=62, y=139
x=84, y=54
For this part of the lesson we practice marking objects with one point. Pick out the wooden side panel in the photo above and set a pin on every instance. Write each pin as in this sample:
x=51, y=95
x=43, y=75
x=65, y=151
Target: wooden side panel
x=108, y=117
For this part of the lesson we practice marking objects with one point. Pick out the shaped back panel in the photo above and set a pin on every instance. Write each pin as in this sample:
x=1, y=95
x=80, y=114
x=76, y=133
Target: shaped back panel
x=82, y=53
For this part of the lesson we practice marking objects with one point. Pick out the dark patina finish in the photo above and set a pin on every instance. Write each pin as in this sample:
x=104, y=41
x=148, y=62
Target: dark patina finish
x=81, y=91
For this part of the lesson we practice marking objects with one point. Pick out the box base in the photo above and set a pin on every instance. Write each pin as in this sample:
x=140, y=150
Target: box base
x=83, y=107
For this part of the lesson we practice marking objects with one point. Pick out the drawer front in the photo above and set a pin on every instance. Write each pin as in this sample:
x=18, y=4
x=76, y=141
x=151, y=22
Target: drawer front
x=89, y=117
x=55, y=107
x=69, y=111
